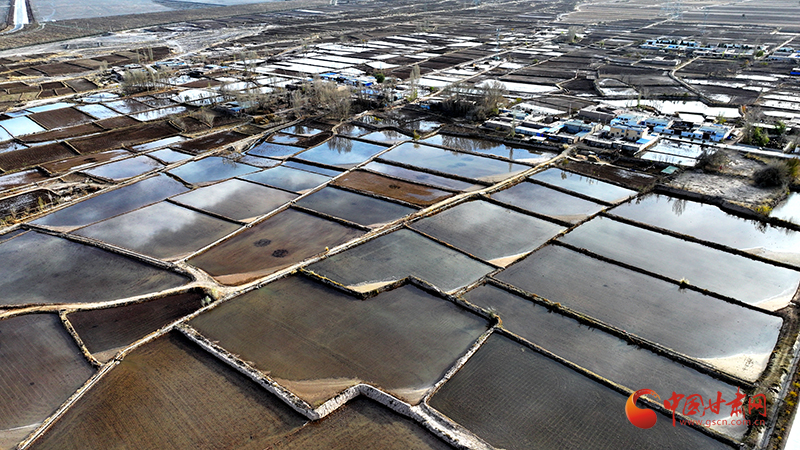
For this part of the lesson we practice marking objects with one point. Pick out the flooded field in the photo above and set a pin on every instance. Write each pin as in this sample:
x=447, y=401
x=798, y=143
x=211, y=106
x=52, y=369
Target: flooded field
x=112, y=203
x=236, y=199
x=421, y=177
x=505, y=388
x=276, y=243
x=321, y=341
x=341, y=152
x=789, y=210
x=272, y=150
x=283, y=177
x=549, y=202
x=467, y=226
x=754, y=282
x=454, y=163
x=362, y=424
x=42, y=367
x=603, y=354
x=356, y=208
x=208, y=170
x=162, y=230
x=128, y=168
x=692, y=218
x=106, y=331
x=653, y=309
x=147, y=399
x=581, y=184
x=396, y=256
x=43, y=269
x=490, y=148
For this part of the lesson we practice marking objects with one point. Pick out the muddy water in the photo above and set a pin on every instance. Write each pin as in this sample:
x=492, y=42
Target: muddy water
x=730, y=337
x=39, y=268
x=392, y=188
x=581, y=184
x=489, y=231
x=317, y=340
x=287, y=178
x=213, y=168
x=236, y=199
x=276, y=243
x=549, y=202
x=341, y=152
x=516, y=398
x=148, y=400
x=128, y=168
x=421, y=177
x=693, y=218
x=162, y=230
x=398, y=255
x=41, y=367
x=754, y=282
x=362, y=424
x=106, y=331
x=603, y=354
x=357, y=208
x=112, y=203
x=451, y=162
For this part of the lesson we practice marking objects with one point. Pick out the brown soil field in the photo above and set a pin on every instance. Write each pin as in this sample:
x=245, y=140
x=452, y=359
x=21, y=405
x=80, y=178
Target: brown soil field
x=32, y=156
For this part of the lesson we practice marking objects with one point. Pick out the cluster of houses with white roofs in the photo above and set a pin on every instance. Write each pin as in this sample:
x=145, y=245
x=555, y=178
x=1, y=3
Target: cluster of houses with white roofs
x=627, y=131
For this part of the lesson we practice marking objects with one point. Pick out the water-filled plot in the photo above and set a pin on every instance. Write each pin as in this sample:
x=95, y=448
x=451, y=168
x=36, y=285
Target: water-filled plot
x=148, y=400
x=20, y=126
x=113, y=203
x=281, y=138
x=693, y=219
x=160, y=143
x=106, y=331
x=601, y=353
x=236, y=199
x=273, y=150
x=341, y=152
x=312, y=168
x=732, y=338
x=42, y=269
x=42, y=367
x=84, y=161
x=516, y=398
x=283, y=240
x=582, y=184
x=208, y=170
x=389, y=187
x=386, y=136
x=316, y=340
x=549, y=202
x=421, y=177
x=398, y=255
x=789, y=210
x=283, y=177
x=454, y=163
x=357, y=208
x=362, y=424
x=488, y=231
x=754, y=282
x=303, y=130
x=127, y=106
x=490, y=148
x=162, y=230
x=98, y=111
x=127, y=168
x=169, y=156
